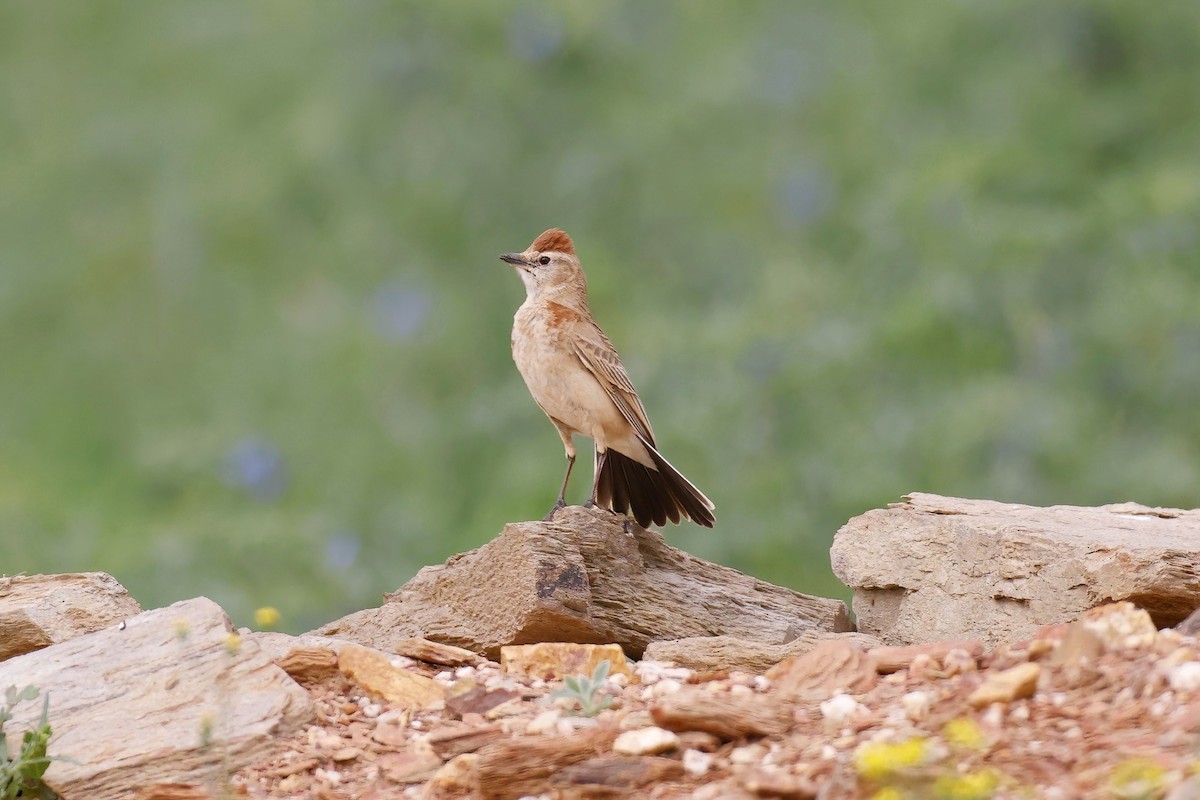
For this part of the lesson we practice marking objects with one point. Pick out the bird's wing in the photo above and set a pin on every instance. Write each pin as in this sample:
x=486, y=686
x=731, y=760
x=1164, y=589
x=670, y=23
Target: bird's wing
x=600, y=357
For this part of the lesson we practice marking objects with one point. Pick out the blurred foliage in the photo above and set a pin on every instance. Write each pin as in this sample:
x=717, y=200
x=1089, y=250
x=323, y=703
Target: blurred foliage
x=255, y=333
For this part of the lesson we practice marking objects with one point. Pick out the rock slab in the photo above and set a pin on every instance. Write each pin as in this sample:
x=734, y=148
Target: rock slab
x=583, y=578
x=37, y=611
x=934, y=567
x=169, y=696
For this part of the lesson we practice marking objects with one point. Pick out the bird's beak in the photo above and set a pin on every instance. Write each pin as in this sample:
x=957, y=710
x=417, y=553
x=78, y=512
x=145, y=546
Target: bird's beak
x=516, y=259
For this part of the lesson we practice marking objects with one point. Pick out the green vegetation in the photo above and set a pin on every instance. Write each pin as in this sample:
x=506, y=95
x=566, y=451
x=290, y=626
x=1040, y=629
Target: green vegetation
x=255, y=332
x=21, y=771
x=588, y=693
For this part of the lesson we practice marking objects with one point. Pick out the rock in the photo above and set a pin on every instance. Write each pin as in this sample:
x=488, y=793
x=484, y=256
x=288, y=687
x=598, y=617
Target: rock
x=416, y=764
x=309, y=664
x=833, y=666
x=977, y=569
x=645, y=742
x=715, y=653
x=514, y=768
x=725, y=715
x=451, y=742
x=373, y=671
x=37, y=611
x=1190, y=625
x=1116, y=624
x=893, y=659
x=131, y=705
x=553, y=661
x=478, y=700
x=605, y=775
x=437, y=653
x=775, y=782
x=1004, y=687
x=456, y=779
x=581, y=578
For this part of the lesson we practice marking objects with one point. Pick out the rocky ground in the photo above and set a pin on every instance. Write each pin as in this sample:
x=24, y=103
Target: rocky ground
x=1107, y=707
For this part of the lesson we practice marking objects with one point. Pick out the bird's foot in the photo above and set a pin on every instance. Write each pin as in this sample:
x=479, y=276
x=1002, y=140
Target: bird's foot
x=591, y=503
x=628, y=527
x=559, y=505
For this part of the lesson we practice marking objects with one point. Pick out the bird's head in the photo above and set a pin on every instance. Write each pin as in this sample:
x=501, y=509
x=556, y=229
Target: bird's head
x=549, y=266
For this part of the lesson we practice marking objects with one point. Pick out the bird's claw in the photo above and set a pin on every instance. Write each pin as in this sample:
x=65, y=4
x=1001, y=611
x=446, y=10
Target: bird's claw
x=559, y=505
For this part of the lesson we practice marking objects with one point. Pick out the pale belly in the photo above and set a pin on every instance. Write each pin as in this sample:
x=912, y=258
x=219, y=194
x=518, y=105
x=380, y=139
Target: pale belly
x=567, y=391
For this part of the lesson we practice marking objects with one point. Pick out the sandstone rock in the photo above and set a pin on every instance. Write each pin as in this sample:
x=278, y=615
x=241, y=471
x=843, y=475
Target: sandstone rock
x=581, y=578
x=553, y=661
x=1190, y=625
x=978, y=569
x=514, y=768
x=373, y=671
x=893, y=659
x=309, y=664
x=833, y=666
x=726, y=715
x=1004, y=687
x=605, y=775
x=37, y=611
x=438, y=653
x=134, y=704
x=715, y=653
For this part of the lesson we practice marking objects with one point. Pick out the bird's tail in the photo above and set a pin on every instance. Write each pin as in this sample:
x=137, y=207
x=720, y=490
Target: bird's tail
x=651, y=495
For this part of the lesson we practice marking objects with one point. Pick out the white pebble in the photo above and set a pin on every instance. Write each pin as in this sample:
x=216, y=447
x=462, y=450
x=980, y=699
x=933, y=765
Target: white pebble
x=838, y=708
x=464, y=672
x=327, y=775
x=762, y=683
x=738, y=690
x=917, y=705
x=667, y=686
x=696, y=762
x=544, y=722
x=372, y=710
x=1185, y=677
x=645, y=742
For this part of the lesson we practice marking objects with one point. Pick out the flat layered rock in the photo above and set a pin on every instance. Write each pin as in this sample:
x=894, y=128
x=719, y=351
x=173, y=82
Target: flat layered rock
x=714, y=653
x=934, y=568
x=37, y=611
x=171, y=696
x=582, y=578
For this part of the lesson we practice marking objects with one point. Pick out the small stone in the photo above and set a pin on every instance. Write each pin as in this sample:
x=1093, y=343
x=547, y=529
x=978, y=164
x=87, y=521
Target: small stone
x=1185, y=677
x=958, y=662
x=557, y=660
x=747, y=754
x=374, y=672
x=545, y=722
x=416, y=764
x=328, y=776
x=457, y=774
x=917, y=705
x=839, y=708
x=346, y=754
x=1004, y=687
x=645, y=742
x=1120, y=625
x=696, y=763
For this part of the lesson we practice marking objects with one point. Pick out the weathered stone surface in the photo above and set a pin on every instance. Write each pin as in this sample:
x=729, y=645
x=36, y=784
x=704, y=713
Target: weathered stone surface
x=1004, y=687
x=553, y=661
x=374, y=672
x=726, y=715
x=713, y=653
x=131, y=704
x=437, y=653
x=833, y=666
x=893, y=659
x=37, y=611
x=935, y=567
x=582, y=578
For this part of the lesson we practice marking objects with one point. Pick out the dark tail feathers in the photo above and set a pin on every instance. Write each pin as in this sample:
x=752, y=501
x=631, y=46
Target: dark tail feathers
x=627, y=486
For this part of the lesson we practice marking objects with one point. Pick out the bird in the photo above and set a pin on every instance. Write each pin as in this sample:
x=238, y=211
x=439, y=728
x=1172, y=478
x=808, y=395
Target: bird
x=577, y=379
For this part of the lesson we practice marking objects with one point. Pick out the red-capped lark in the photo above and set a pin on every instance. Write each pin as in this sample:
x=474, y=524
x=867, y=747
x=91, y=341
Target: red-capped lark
x=576, y=377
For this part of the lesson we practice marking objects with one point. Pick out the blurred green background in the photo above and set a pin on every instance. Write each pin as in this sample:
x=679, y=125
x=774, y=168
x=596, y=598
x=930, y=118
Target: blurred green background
x=255, y=333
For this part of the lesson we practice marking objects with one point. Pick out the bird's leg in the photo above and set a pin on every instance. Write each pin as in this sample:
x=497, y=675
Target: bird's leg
x=601, y=455
x=562, y=493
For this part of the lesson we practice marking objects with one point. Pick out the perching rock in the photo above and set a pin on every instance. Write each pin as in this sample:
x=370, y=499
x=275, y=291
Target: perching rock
x=715, y=653
x=582, y=578
x=37, y=611
x=935, y=568
x=134, y=705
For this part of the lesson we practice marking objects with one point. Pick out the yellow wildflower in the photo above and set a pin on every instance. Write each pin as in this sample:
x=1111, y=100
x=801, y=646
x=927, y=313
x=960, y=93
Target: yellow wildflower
x=233, y=643
x=878, y=760
x=266, y=617
x=966, y=733
x=1136, y=778
x=181, y=629
x=888, y=793
x=979, y=785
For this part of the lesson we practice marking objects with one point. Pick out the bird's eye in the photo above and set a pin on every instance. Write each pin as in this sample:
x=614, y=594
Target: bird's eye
x=544, y=260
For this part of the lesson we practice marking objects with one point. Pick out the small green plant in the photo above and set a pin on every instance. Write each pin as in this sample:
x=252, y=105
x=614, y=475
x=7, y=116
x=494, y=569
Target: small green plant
x=21, y=773
x=587, y=692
